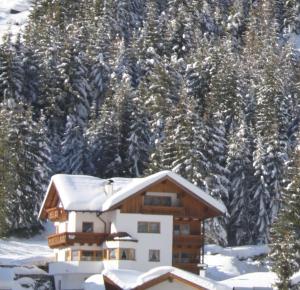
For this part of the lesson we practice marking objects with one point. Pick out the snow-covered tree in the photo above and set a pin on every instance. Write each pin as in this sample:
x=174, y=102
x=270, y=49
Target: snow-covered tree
x=285, y=247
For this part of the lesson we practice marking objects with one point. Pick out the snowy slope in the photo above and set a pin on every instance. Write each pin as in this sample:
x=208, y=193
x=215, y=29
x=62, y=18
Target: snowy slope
x=226, y=263
x=10, y=20
x=34, y=251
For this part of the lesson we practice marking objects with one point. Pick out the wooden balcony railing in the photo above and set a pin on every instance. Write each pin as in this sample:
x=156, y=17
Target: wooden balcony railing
x=69, y=239
x=155, y=209
x=190, y=267
x=57, y=214
x=187, y=240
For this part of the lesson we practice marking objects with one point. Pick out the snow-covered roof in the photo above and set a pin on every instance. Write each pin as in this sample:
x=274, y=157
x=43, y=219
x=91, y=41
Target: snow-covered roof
x=94, y=282
x=130, y=279
x=87, y=193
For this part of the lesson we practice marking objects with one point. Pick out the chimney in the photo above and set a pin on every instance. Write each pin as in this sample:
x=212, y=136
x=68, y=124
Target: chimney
x=108, y=188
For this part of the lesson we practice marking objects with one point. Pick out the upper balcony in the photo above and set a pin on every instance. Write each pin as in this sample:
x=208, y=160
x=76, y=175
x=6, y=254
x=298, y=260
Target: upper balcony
x=155, y=204
x=57, y=214
x=69, y=239
x=155, y=209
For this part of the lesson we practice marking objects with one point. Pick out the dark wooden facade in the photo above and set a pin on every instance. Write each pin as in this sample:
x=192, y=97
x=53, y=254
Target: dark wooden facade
x=188, y=248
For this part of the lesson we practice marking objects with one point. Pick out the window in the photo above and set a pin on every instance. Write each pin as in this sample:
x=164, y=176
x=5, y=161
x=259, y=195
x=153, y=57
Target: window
x=112, y=254
x=86, y=256
x=98, y=255
x=67, y=255
x=127, y=254
x=121, y=254
x=149, y=227
x=154, y=255
x=87, y=227
x=157, y=200
x=181, y=229
x=75, y=255
x=183, y=257
x=176, y=230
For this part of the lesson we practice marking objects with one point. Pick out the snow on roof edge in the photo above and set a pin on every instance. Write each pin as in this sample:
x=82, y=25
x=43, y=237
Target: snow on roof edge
x=130, y=279
x=45, y=198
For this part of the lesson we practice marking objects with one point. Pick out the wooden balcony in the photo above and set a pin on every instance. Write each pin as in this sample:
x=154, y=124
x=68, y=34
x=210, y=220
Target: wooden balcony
x=57, y=214
x=69, y=239
x=187, y=240
x=170, y=210
x=190, y=267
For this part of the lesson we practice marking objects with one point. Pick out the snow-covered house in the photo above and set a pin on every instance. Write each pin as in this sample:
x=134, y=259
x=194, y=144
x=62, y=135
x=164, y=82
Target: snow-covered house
x=122, y=223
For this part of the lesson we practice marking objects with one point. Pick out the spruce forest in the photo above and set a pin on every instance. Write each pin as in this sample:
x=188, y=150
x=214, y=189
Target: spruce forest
x=208, y=89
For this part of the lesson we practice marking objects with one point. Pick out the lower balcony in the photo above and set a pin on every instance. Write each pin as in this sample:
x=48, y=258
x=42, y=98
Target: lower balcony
x=190, y=267
x=69, y=239
x=187, y=240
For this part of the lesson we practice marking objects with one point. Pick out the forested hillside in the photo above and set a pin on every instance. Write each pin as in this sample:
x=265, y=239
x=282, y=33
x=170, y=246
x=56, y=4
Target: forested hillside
x=209, y=89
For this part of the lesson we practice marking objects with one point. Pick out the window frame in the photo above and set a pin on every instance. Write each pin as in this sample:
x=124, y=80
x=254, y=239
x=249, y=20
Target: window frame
x=87, y=223
x=91, y=255
x=148, y=226
x=157, y=200
x=129, y=252
x=157, y=251
x=179, y=229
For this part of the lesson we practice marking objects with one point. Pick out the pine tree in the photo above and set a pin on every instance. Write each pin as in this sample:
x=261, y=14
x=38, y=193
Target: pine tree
x=239, y=165
x=28, y=160
x=12, y=73
x=138, y=138
x=161, y=92
x=285, y=232
x=76, y=93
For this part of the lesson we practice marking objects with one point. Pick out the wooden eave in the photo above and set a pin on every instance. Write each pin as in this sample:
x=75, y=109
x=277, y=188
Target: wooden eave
x=215, y=211
x=165, y=277
x=52, y=199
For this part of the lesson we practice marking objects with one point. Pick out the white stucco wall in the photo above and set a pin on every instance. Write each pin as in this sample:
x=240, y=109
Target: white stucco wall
x=73, y=274
x=161, y=241
x=72, y=222
x=88, y=217
x=75, y=267
x=115, y=222
x=60, y=254
x=67, y=226
x=71, y=281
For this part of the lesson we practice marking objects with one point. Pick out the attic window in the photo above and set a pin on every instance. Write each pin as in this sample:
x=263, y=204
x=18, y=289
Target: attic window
x=87, y=227
x=157, y=200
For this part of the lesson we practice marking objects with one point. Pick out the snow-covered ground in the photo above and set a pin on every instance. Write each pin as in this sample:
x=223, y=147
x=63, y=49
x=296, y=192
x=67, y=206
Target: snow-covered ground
x=226, y=263
x=34, y=251
x=22, y=256
x=13, y=15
